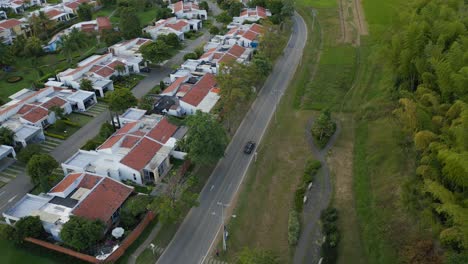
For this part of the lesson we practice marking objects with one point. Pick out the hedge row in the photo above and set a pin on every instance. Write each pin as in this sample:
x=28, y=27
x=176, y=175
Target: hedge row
x=329, y=250
x=70, y=123
x=54, y=135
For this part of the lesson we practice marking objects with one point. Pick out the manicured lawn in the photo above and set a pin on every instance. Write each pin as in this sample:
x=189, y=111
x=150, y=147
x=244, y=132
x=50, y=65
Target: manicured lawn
x=147, y=16
x=79, y=119
x=29, y=253
x=47, y=64
x=104, y=12
x=129, y=81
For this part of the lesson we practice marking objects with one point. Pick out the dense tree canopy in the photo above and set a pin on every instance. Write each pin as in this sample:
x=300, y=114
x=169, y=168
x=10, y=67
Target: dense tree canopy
x=129, y=25
x=85, y=12
x=121, y=99
x=155, y=52
x=206, y=139
x=39, y=168
x=429, y=59
x=29, y=226
x=7, y=136
x=133, y=209
x=80, y=233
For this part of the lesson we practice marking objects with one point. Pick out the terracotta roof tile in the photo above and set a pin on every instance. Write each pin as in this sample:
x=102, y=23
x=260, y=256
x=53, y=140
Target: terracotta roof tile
x=141, y=154
x=179, y=6
x=25, y=108
x=102, y=202
x=129, y=141
x=65, y=182
x=175, y=85
x=36, y=114
x=227, y=58
x=236, y=50
x=72, y=5
x=105, y=71
x=200, y=90
x=178, y=26
x=126, y=128
x=250, y=35
x=89, y=181
x=54, y=101
x=10, y=23
x=103, y=23
x=257, y=28
x=53, y=13
x=110, y=142
x=162, y=131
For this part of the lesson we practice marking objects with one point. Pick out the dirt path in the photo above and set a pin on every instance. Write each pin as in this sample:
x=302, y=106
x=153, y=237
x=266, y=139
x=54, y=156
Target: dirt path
x=308, y=247
x=352, y=21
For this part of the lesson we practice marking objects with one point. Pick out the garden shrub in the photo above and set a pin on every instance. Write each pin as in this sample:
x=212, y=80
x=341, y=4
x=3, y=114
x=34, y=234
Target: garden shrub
x=70, y=123
x=91, y=144
x=27, y=152
x=190, y=56
x=329, y=248
x=294, y=228
x=299, y=199
x=54, y=135
x=311, y=168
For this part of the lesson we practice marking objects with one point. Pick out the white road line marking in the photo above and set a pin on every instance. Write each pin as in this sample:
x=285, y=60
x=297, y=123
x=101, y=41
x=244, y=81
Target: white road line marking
x=12, y=198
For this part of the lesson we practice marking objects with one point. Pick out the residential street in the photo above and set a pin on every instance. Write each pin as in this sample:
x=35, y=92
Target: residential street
x=21, y=185
x=196, y=236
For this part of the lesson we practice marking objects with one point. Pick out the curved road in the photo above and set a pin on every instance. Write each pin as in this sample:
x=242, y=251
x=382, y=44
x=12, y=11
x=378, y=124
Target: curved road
x=196, y=236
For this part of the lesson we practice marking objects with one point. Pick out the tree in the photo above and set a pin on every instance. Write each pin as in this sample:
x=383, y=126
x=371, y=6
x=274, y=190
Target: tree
x=33, y=47
x=323, y=128
x=235, y=8
x=199, y=51
x=6, y=55
x=9, y=233
x=155, y=52
x=29, y=226
x=106, y=130
x=172, y=40
x=120, y=69
x=72, y=42
x=214, y=30
x=256, y=256
x=41, y=25
x=190, y=56
x=121, y=99
x=129, y=23
x=204, y=6
x=39, y=168
x=224, y=18
x=86, y=84
x=133, y=209
x=59, y=112
x=110, y=37
x=80, y=233
x=85, y=12
x=206, y=139
x=7, y=136
x=262, y=65
x=27, y=152
x=146, y=103
x=177, y=197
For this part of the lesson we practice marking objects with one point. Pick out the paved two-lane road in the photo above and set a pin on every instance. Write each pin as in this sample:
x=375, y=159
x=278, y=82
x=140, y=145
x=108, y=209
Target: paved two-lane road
x=200, y=228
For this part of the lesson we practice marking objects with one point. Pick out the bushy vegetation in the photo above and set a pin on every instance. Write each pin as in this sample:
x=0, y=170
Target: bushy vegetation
x=27, y=152
x=323, y=128
x=80, y=233
x=311, y=168
x=294, y=228
x=29, y=226
x=329, y=249
x=133, y=210
x=429, y=60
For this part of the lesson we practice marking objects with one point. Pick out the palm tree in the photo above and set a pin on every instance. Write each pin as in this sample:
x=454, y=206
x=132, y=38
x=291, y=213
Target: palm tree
x=41, y=24
x=71, y=43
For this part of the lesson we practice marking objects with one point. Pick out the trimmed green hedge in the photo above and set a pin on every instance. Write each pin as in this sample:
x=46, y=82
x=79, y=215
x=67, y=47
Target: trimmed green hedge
x=70, y=123
x=14, y=79
x=54, y=135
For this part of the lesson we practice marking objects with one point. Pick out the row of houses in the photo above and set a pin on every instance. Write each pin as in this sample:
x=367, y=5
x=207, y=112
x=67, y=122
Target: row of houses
x=173, y=25
x=29, y=112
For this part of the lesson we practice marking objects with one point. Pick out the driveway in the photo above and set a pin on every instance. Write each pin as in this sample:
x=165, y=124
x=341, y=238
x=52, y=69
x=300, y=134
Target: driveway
x=197, y=234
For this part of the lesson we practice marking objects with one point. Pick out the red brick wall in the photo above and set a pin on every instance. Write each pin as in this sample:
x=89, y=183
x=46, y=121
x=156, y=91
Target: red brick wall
x=131, y=238
x=91, y=259
x=63, y=250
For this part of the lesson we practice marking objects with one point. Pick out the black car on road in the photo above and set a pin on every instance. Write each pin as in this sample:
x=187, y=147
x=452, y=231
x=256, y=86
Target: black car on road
x=249, y=147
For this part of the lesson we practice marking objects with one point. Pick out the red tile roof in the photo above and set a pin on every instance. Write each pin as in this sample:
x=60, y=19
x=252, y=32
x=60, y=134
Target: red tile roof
x=175, y=85
x=232, y=31
x=10, y=23
x=200, y=90
x=53, y=13
x=72, y=5
x=162, y=131
x=66, y=182
x=126, y=128
x=129, y=141
x=178, y=26
x=115, y=63
x=89, y=181
x=105, y=71
x=102, y=202
x=250, y=35
x=36, y=114
x=110, y=142
x=54, y=101
x=141, y=154
x=227, y=58
x=87, y=27
x=236, y=50
x=25, y=108
x=103, y=23
x=178, y=6
x=208, y=53
x=257, y=28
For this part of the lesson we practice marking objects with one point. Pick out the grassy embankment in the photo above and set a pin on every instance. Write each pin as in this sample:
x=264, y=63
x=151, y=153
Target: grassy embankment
x=352, y=81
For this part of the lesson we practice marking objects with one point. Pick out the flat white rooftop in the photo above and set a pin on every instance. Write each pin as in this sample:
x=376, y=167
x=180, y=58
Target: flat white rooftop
x=133, y=114
x=28, y=204
x=81, y=159
x=80, y=95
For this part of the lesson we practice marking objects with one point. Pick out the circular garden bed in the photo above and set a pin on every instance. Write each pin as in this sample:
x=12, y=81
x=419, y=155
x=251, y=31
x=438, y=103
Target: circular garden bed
x=14, y=79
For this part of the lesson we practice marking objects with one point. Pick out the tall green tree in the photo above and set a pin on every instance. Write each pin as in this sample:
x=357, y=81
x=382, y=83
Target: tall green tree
x=7, y=136
x=86, y=84
x=81, y=234
x=85, y=12
x=206, y=139
x=129, y=24
x=39, y=168
x=155, y=52
x=29, y=226
x=6, y=54
x=33, y=47
x=121, y=99
x=41, y=25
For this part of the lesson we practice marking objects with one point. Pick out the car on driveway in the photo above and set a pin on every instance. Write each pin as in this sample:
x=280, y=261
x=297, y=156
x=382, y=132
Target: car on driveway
x=249, y=147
